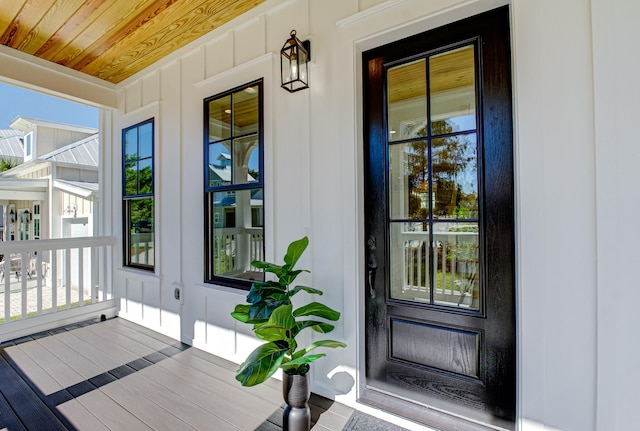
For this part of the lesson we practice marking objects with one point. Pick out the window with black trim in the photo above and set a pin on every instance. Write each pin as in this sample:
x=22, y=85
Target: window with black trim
x=138, y=195
x=233, y=186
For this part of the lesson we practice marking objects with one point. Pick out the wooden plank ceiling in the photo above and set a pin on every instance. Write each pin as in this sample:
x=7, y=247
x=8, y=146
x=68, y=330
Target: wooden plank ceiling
x=111, y=39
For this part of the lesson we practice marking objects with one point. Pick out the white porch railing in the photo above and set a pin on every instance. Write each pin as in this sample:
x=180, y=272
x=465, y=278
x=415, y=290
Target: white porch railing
x=52, y=276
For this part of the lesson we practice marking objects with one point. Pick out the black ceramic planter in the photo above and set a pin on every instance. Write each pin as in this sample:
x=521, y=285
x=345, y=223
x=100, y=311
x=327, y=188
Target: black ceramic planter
x=296, y=391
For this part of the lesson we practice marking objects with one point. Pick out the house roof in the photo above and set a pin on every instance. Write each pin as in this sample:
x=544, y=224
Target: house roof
x=84, y=152
x=11, y=143
x=114, y=39
x=24, y=124
x=82, y=188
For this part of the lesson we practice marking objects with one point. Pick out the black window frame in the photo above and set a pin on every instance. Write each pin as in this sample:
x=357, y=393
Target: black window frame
x=209, y=191
x=127, y=199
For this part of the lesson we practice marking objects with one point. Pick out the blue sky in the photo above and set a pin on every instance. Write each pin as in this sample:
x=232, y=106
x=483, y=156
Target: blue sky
x=16, y=101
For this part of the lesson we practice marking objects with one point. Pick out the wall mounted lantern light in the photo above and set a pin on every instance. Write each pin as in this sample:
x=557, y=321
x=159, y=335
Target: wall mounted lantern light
x=72, y=208
x=294, y=63
x=26, y=216
x=12, y=216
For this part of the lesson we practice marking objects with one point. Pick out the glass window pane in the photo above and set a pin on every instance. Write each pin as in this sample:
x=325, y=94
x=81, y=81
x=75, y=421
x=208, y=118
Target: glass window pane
x=246, y=158
x=452, y=91
x=141, y=231
x=219, y=164
x=131, y=144
x=455, y=177
x=409, y=180
x=407, y=101
x=237, y=240
x=220, y=119
x=145, y=176
x=245, y=111
x=409, y=251
x=131, y=179
x=456, y=263
x=146, y=141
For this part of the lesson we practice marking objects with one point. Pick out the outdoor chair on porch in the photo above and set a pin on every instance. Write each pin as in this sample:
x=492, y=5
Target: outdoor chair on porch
x=15, y=266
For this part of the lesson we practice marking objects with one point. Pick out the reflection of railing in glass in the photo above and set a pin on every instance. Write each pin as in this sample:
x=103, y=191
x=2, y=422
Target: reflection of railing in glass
x=235, y=249
x=142, y=248
x=455, y=265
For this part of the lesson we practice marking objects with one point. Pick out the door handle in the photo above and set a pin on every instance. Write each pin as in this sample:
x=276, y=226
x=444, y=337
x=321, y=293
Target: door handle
x=372, y=265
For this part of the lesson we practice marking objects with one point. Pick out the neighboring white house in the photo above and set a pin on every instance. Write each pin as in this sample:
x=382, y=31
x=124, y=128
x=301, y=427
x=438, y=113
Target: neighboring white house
x=52, y=192
x=12, y=153
x=569, y=198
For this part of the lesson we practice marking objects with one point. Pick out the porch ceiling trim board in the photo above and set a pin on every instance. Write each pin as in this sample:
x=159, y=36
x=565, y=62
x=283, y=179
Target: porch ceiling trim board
x=32, y=184
x=16, y=195
x=28, y=71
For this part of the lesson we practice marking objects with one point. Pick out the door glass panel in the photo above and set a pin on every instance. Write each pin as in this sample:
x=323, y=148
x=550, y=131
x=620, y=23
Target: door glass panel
x=409, y=180
x=409, y=261
x=452, y=91
x=455, y=177
x=407, y=101
x=433, y=180
x=456, y=264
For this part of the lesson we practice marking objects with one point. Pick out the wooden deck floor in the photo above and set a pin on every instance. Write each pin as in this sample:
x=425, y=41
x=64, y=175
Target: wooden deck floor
x=116, y=375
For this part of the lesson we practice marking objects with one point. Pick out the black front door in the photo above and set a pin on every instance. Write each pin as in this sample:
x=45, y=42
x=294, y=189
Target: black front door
x=439, y=226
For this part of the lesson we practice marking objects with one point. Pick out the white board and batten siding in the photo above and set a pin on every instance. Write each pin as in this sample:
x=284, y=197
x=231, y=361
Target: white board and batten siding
x=574, y=163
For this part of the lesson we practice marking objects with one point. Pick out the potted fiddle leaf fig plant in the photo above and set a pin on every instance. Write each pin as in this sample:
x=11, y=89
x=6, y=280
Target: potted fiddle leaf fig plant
x=275, y=320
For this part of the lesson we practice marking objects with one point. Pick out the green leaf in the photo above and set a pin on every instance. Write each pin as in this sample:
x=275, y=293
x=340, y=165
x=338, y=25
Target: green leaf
x=262, y=311
x=321, y=327
x=268, y=267
x=307, y=289
x=261, y=364
x=288, y=277
x=263, y=290
x=302, y=360
x=295, y=250
x=273, y=332
x=282, y=317
x=241, y=313
x=317, y=309
x=321, y=343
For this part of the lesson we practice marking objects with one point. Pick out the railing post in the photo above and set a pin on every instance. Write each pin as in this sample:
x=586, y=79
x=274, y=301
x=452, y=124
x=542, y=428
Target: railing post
x=7, y=288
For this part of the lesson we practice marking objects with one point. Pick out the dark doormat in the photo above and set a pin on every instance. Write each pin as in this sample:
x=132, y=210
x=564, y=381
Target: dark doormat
x=363, y=422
